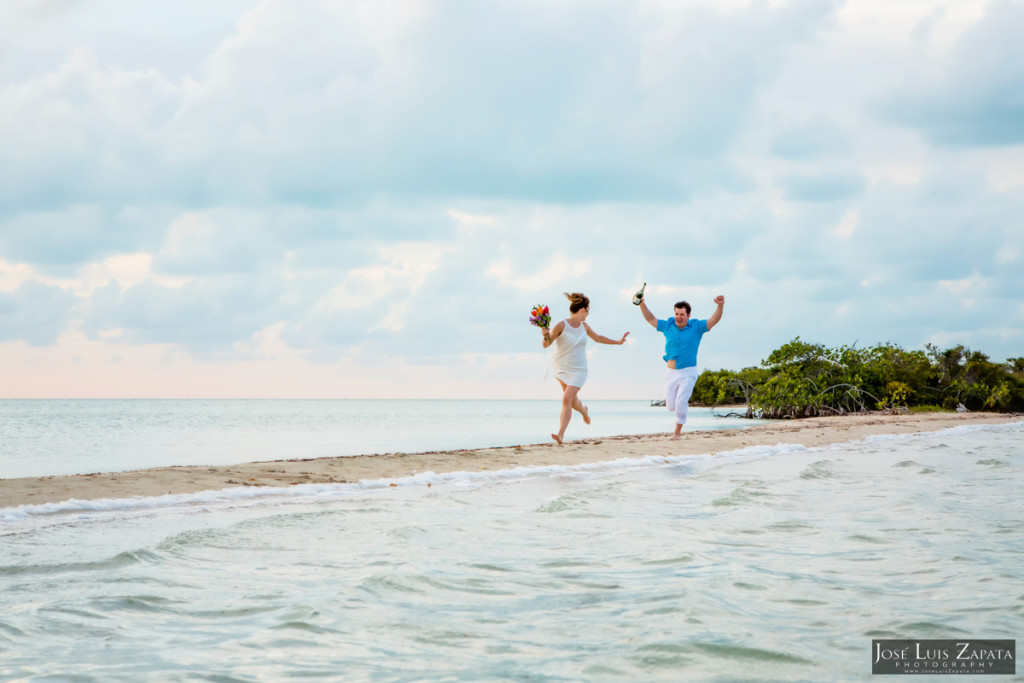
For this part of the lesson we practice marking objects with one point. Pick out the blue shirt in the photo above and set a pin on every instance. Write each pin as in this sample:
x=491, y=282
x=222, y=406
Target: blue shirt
x=681, y=344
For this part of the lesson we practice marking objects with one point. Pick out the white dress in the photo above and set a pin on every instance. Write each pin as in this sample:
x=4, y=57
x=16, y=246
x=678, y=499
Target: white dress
x=570, y=361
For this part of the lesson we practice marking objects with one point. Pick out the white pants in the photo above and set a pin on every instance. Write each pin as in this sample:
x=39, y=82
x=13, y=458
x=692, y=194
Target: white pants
x=678, y=388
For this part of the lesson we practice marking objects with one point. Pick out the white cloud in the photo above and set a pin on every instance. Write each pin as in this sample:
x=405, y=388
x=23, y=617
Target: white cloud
x=1008, y=253
x=847, y=226
x=401, y=271
x=13, y=275
x=974, y=285
x=127, y=270
x=969, y=97
x=316, y=188
x=556, y=269
x=469, y=223
x=36, y=313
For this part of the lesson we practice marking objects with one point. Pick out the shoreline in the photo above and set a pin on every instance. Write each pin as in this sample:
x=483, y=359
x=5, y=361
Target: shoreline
x=809, y=432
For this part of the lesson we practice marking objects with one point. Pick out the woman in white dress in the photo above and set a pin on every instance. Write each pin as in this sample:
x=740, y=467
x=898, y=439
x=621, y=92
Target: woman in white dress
x=570, y=339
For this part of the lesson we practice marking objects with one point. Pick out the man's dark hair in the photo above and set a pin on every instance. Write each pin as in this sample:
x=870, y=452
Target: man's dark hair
x=683, y=304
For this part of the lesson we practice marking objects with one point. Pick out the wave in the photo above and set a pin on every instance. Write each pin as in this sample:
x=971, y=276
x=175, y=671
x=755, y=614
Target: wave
x=76, y=509
x=118, y=561
x=949, y=431
x=81, y=510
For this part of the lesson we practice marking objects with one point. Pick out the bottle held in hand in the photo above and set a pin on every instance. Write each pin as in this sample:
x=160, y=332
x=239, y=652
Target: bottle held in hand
x=639, y=296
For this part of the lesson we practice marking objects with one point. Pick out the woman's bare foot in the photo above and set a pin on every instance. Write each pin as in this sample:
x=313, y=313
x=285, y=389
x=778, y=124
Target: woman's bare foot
x=586, y=415
x=675, y=437
x=557, y=438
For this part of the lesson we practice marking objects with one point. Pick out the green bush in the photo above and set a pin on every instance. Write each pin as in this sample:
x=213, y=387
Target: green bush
x=928, y=409
x=801, y=379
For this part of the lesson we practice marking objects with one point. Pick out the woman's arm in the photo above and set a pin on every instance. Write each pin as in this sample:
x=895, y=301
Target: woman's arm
x=551, y=335
x=601, y=339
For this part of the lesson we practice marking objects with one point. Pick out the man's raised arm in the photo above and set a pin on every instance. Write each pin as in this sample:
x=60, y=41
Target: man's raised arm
x=717, y=315
x=648, y=316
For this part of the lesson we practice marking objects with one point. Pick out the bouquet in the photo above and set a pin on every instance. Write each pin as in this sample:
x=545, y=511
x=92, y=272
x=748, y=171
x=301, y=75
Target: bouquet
x=540, y=316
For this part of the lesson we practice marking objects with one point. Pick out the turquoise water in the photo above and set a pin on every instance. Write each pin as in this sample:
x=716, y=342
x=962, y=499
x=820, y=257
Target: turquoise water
x=763, y=564
x=55, y=437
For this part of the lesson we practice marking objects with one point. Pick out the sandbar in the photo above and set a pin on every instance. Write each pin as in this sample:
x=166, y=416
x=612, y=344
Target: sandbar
x=809, y=432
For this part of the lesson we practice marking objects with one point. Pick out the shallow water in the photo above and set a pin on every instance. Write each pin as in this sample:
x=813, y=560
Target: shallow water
x=764, y=564
x=56, y=437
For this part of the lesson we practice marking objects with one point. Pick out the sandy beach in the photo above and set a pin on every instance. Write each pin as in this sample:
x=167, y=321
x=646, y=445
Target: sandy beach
x=164, y=480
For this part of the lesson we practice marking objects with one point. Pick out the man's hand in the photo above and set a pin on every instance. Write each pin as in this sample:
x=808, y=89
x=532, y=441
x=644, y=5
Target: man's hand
x=720, y=300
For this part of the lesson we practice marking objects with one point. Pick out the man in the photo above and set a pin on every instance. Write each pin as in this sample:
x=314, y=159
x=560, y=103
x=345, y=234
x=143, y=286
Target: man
x=682, y=337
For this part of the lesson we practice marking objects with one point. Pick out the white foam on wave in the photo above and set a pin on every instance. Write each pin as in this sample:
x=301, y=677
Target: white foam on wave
x=948, y=431
x=75, y=509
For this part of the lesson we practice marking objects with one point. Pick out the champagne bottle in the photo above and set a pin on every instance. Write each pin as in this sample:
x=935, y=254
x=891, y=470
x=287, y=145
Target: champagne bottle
x=639, y=296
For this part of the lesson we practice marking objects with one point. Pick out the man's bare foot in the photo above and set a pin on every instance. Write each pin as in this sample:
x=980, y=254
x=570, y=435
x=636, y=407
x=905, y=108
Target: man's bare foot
x=675, y=437
x=586, y=415
x=557, y=438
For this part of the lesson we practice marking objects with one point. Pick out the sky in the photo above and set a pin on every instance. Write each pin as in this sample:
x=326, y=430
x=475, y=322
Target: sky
x=364, y=198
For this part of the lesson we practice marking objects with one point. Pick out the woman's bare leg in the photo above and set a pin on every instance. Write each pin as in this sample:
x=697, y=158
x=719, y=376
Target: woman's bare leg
x=578, y=406
x=569, y=398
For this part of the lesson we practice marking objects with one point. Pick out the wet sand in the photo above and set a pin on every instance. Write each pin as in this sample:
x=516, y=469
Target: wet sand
x=163, y=480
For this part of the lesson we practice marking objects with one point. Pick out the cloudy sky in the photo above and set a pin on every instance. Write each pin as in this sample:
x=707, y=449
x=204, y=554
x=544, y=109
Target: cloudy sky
x=364, y=198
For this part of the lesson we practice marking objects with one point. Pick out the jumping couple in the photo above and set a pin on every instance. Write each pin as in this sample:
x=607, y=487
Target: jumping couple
x=682, y=338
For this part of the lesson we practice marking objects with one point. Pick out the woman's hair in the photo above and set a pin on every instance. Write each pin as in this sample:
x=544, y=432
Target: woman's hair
x=577, y=301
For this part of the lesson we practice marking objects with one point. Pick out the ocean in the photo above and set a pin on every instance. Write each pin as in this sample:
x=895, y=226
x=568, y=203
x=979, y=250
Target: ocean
x=56, y=437
x=777, y=563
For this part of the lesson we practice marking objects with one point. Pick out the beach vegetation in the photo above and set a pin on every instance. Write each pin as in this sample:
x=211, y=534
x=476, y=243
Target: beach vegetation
x=804, y=379
x=726, y=387
x=928, y=409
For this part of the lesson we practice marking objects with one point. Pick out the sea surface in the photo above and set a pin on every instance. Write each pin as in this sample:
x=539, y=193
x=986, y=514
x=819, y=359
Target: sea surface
x=776, y=563
x=55, y=437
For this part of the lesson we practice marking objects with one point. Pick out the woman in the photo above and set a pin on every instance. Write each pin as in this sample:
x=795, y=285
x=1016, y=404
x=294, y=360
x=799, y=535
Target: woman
x=570, y=339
